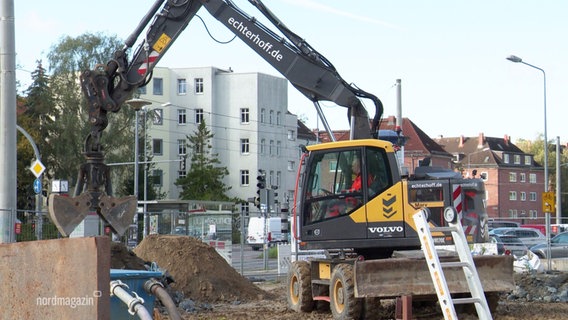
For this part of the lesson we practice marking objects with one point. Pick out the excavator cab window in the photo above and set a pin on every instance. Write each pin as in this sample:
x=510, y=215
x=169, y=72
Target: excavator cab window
x=340, y=181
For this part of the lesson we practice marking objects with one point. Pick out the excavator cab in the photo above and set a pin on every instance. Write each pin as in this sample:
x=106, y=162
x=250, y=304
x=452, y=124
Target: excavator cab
x=350, y=196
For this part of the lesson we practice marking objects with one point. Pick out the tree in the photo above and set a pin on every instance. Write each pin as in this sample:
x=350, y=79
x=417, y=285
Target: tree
x=204, y=181
x=33, y=118
x=67, y=59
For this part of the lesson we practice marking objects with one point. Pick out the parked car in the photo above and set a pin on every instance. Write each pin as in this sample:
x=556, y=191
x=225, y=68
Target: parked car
x=528, y=236
x=509, y=245
x=493, y=224
x=558, y=247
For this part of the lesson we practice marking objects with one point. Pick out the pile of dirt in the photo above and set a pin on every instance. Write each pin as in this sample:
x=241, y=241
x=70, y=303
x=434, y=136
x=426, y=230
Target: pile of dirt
x=199, y=272
x=123, y=258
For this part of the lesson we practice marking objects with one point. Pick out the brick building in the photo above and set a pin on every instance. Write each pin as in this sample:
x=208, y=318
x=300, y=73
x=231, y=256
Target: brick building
x=513, y=180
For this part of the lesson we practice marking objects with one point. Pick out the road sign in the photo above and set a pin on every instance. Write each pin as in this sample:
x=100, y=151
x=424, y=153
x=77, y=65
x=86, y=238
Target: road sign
x=37, y=168
x=548, y=202
x=37, y=186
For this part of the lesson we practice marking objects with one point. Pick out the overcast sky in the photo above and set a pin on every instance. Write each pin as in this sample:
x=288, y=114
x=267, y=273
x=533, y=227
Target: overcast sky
x=449, y=55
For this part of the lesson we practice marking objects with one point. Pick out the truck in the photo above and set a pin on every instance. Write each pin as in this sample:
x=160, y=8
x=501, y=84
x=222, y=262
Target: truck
x=361, y=230
x=260, y=233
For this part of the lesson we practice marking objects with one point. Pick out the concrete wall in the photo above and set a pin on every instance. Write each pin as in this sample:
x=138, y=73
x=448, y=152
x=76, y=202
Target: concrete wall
x=55, y=279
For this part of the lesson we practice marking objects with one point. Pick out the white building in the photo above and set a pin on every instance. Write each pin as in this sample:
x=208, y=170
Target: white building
x=246, y=112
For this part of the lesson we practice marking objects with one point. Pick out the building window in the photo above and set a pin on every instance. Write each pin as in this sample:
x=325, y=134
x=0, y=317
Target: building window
x=198, y=85
x=291, y=165
x=182, y=86
x=262, y=115
x=512, y=177
x=422, y=160
x=271, y=148
x=245, y=115
x=532, y=177
x=533, y=214
x=278, y=178
x=182, y=174
x=157, y=146
x=245, y=146
x=198, y=116
x=278, y=118
x=245, y=209
x=182, y=116
x=158, y=86
x=263, y=146
x=523, y=196
x=512, y=213
x=245, y=177
x=506, y=158
x=157, y=117
x=532, y=196
x=513, y=195
x=528, y=160
x=271, y=178
x=182, y=147
x=278, y=148
x=291, y=135
x=523, y=177
x=157, y=177
x=517, y=159
x=271, y=117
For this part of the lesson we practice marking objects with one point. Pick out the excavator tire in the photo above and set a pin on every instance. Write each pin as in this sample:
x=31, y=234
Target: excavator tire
x=299, y=287
x=343, y=304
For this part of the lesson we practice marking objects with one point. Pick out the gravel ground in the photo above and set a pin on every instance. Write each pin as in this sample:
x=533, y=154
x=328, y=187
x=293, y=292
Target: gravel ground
x=537, y=297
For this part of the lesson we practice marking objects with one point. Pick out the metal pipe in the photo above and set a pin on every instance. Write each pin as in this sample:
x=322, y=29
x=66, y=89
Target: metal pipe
x=558, y=183
x=156, y=288
x=134, y=303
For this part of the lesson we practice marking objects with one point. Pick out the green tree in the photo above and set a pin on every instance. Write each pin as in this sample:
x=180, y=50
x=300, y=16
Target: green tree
x=204, y=181
x=33, y=118
x=67, y=59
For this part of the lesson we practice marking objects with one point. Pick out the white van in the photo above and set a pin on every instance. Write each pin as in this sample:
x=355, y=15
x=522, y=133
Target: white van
x=256, y=230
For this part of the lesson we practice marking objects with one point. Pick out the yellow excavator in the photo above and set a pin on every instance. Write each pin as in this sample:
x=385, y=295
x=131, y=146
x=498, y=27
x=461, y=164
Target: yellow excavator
x=351, y=199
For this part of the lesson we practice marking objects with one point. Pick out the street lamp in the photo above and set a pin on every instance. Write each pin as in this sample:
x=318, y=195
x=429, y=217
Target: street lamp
x=519, y=60
x=136, y=104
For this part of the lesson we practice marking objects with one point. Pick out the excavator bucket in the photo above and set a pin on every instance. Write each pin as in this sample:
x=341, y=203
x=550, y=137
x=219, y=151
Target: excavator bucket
x=68, y=212
x=396, y=277
x=118, y=212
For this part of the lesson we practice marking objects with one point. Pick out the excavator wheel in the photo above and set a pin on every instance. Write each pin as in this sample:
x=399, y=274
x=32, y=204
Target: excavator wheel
x=299, y=287
x=343, y=303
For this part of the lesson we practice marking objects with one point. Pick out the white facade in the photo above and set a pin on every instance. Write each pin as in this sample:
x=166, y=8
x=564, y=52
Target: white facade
x=246, y=112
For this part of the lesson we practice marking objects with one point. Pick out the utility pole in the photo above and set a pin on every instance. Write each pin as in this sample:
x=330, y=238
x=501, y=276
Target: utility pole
x=8, y=134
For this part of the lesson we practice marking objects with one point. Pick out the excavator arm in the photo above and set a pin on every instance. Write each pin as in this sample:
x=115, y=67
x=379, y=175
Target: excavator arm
x=108, y=86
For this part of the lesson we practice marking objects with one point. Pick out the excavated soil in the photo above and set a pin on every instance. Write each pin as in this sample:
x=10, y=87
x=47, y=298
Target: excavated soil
x=202, y=275
x=198, y=271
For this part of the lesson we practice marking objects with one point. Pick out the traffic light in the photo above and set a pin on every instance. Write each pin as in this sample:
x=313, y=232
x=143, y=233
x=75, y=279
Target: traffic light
x=260, y=184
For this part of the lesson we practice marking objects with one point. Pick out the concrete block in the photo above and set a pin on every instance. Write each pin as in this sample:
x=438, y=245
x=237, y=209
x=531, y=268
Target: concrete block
x=56, y=279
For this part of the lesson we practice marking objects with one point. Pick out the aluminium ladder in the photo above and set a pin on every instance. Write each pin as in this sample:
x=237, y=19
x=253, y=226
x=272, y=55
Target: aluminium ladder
x=466, y=262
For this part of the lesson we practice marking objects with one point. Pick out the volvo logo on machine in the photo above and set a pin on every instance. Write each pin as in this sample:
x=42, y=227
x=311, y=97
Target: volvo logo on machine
x=386, y=230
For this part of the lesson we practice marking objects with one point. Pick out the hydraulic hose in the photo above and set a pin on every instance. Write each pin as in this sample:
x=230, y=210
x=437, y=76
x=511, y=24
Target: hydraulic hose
x=134, y=303
x=156, y=288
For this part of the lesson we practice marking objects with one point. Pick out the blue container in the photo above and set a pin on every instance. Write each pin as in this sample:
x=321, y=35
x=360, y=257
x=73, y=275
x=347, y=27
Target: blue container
x=135, y=280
